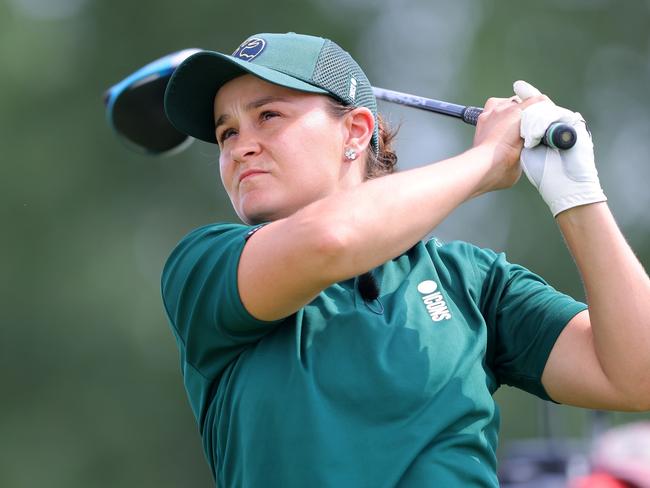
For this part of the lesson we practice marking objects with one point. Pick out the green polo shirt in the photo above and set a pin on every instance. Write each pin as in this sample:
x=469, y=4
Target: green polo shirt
x=346, y=393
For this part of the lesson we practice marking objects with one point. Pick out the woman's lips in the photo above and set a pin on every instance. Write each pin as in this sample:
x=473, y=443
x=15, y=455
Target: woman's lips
x=250, y=172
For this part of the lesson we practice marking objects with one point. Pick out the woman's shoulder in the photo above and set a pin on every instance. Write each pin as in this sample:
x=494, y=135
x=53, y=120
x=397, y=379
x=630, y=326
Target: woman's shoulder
x=217, y=233
x=215, y=229
x=219, y=238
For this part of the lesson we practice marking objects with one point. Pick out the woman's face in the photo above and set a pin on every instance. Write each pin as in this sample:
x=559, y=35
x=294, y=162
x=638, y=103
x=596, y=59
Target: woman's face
x=280, y=148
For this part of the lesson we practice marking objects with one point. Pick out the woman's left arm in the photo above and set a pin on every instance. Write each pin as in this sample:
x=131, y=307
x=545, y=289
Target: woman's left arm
x=602, y=358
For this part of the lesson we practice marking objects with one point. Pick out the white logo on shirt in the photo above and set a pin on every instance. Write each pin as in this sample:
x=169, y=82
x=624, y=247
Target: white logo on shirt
x=434, y=301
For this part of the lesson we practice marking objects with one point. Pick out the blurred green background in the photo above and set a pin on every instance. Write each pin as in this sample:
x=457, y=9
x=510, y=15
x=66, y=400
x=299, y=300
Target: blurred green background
x=91, y=389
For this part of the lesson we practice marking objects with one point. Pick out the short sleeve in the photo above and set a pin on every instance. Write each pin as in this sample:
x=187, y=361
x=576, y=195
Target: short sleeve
x=524, y=316
x=201, y=299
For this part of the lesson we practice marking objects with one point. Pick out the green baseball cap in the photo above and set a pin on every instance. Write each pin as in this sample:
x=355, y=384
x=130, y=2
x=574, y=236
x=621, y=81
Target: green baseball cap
x=301, y=62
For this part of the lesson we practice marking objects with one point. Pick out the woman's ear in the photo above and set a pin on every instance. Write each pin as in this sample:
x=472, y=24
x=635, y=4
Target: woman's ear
x=360, y=125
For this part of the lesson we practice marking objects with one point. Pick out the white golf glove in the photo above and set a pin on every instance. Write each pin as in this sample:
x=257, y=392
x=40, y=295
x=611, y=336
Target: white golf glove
x=566, y=178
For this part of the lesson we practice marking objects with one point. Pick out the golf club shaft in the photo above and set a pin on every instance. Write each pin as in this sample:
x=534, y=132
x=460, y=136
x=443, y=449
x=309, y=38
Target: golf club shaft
x=558, y=135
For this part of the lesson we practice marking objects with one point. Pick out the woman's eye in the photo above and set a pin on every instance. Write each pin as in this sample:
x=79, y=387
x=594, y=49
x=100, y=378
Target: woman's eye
x=267, y=114
x=226, y=134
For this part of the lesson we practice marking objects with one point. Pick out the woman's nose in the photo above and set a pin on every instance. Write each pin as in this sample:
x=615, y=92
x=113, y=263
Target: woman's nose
x=246, y=145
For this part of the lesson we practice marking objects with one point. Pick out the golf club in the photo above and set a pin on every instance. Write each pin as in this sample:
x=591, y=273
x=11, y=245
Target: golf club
x=135, y=110
x=558, y=135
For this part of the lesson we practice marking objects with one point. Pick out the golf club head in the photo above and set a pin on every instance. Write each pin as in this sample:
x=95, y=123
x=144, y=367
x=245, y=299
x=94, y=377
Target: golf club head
x=135, y=108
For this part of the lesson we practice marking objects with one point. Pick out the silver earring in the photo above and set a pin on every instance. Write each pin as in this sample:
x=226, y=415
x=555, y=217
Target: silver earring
x=350, y=154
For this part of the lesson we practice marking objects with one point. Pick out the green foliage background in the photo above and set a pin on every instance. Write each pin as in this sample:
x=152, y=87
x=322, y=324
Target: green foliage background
x=91, y=390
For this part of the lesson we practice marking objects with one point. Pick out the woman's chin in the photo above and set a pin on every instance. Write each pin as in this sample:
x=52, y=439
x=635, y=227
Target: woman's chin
x=258, y=215
x=257, y=211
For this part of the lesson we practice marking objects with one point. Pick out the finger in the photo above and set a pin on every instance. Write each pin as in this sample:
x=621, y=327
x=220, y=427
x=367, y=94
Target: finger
x=525, y=90
x=533, y=100
x=493, y=102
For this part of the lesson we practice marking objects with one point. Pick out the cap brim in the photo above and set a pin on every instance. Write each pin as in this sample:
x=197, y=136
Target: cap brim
x=190, y=93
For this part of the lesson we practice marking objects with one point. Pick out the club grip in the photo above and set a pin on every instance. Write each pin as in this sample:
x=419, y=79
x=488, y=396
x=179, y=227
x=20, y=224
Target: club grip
x=558, y=135
x=470, y=114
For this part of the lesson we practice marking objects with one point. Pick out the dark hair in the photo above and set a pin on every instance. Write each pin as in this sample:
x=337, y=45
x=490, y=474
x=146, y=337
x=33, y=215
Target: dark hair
x=385, y=160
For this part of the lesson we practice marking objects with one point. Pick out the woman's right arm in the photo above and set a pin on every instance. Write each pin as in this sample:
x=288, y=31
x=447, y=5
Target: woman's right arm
x=288, y=262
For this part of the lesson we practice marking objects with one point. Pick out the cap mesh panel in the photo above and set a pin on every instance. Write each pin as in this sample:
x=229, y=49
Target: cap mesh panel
x=333, y=70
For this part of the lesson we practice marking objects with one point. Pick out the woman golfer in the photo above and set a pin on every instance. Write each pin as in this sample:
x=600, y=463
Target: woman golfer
x=322, y=343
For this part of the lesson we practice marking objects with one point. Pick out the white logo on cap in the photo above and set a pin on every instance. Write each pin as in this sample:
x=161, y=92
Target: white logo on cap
x=353, y=88
x=250, y=49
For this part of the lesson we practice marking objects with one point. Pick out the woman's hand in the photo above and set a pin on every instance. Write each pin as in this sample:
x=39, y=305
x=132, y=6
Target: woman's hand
x=565, y=179
x=498, y=131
